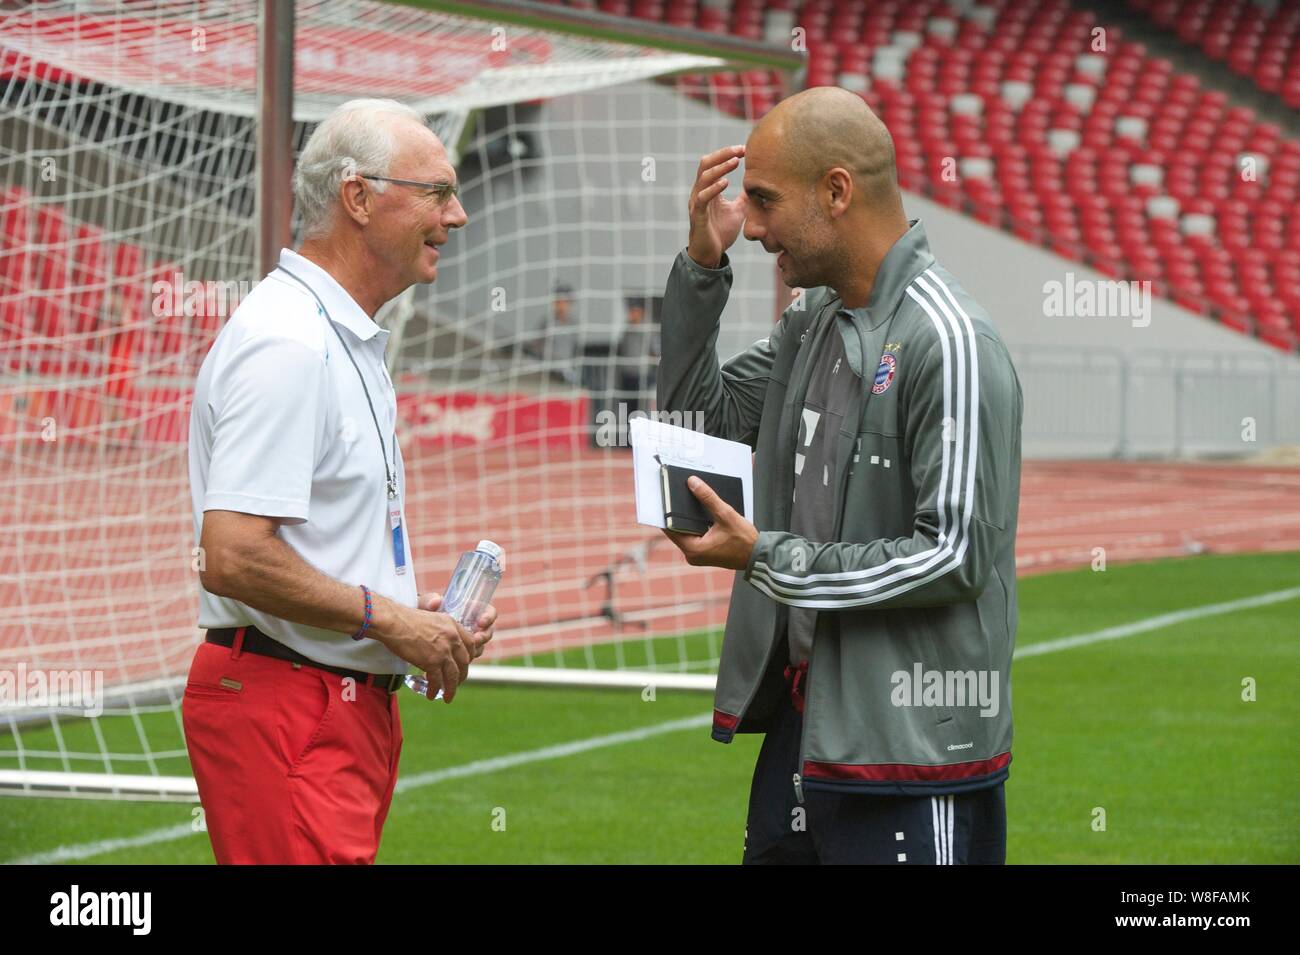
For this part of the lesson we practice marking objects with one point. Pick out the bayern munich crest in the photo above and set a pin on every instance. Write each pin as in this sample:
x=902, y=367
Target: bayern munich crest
x=885, y=373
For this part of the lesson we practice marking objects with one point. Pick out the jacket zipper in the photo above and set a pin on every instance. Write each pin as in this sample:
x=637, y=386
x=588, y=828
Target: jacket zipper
x=803, y=721
x=803, y=724
x=767, y=658
x=843, y=491
x=867, y=374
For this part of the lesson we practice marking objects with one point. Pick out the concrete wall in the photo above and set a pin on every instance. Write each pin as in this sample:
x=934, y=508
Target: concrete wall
x=1178, y=383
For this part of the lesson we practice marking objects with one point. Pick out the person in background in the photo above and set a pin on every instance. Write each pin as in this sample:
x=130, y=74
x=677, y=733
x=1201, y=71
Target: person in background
x=556, y=343
x=637, y=356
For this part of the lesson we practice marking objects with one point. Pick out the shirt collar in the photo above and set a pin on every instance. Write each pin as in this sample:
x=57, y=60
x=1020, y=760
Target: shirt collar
x=343, y=309
x=907, y=258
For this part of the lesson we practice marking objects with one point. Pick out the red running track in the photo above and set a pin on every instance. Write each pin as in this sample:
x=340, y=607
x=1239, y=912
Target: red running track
x=95, y=548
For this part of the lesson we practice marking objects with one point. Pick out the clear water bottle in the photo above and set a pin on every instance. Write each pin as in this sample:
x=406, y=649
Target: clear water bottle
x=467, y=596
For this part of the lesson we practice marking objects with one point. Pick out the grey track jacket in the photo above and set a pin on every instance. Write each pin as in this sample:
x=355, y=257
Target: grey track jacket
x=908, y=688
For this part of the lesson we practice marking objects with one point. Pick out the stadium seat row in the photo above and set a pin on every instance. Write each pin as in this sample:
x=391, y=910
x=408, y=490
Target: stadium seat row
x=1035, y=117
x=1260, y=41
x=75, y=303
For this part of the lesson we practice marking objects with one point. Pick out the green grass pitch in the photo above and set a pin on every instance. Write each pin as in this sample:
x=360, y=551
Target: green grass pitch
x=1151, y=728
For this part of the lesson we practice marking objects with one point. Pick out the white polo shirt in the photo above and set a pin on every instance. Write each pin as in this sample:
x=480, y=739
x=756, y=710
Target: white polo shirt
x=280, y=427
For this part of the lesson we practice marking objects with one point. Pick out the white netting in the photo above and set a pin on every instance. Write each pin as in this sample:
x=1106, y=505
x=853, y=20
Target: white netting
x=126, y=206
x=202, y=54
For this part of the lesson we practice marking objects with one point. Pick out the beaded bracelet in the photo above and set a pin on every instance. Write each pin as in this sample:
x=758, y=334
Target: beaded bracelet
x=365, y=624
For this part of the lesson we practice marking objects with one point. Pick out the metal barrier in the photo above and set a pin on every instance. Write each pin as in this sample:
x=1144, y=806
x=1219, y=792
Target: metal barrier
x=1105, y=402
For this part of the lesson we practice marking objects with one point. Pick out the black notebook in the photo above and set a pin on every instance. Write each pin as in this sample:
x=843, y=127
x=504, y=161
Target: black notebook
x=683, y=511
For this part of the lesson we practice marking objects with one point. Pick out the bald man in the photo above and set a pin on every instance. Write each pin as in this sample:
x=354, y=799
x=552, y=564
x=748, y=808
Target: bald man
x=873, y=614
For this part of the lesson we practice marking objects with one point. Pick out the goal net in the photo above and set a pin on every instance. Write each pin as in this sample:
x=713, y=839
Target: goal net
x=127, y=237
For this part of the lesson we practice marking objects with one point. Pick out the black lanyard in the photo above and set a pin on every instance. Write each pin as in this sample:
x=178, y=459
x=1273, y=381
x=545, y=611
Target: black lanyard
x=390, y=476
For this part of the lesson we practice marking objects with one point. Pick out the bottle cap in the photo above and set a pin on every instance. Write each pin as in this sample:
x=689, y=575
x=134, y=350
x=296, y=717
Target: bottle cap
x=492, y=550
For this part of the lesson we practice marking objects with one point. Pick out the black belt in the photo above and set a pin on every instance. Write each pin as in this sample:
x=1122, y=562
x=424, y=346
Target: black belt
x=255, y=641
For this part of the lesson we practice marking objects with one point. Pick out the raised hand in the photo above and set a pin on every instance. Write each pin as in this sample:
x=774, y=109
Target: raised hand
x=715, y=222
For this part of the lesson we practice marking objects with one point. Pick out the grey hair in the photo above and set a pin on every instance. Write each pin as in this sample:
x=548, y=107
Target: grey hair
x=347, y=142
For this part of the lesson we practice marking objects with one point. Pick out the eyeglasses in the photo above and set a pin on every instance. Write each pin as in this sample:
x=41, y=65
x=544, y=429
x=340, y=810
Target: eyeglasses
x=443, y=191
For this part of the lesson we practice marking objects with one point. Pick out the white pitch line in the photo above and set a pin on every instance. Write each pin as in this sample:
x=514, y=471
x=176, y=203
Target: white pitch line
x=479, y=767
x=1155, y=623
x=559, y=750
x=87, y=849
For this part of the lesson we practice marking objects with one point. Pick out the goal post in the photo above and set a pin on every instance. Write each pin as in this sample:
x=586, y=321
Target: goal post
x=735, y=52
x=129, y=210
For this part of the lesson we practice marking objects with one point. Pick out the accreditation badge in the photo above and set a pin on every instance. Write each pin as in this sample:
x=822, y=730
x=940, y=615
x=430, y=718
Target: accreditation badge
x=395, y=526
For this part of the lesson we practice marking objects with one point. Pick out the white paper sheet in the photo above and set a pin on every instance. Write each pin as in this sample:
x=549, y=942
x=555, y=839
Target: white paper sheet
x=685, y=448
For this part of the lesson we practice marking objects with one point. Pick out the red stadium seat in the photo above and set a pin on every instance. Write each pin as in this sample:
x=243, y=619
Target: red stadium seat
x=50, y=272
x=89, y=279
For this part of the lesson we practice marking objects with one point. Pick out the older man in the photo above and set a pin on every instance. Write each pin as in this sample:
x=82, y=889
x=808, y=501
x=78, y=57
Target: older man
x=873, y=615
x=307, y=591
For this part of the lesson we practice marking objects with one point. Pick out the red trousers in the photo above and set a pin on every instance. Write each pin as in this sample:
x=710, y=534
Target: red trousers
x=295, y=765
